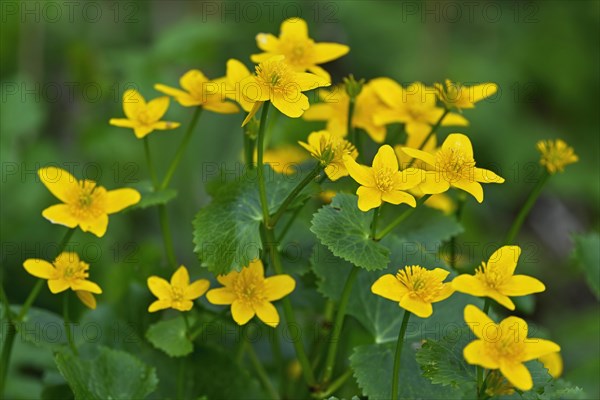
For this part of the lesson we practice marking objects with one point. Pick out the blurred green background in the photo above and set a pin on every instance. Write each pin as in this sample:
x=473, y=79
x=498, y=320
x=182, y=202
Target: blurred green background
x=64, y=68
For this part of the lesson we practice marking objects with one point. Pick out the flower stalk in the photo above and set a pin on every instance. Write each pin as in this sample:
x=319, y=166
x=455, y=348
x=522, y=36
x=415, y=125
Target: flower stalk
x=398, y=356
x=400, y=218
x=531, y=199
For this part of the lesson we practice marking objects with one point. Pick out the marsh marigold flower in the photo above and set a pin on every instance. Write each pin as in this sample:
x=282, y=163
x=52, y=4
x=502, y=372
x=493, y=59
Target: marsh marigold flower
x=199, y=91
x=453, y=165
x=383, y=181
x=556, y=155
x=496, y=279
x=414, y=106
x=67, y=271
x=300, y=51
x=458, y=96
x=249, y=293
x=334, y=109
x=84, y=203
x=414, y=288
x=178, y=294
x=329, y=150
x=143, y=117
x=277, y=82
x=504, y=346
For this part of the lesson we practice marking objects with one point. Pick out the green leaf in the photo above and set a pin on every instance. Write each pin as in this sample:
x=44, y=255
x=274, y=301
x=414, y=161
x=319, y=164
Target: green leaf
x=170, y=336
x=587, y=256
x=345, y=230
x=227, y=231
x=42, y=328
x=101, y=373
x=150, y=197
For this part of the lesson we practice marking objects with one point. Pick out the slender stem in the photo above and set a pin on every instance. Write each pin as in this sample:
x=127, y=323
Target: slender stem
x=181, y=150
x=458, y=214
x=293, y=194
x=486, y=305
x=431, y=133
x=352, y=133
x=400, y=218
x=260, y=371
x=9, y=340
x=335, y=385
x=518, y=222
x=337, y=327
x=67, y=322
x=249, y=146
x=187, y=323
x=260, y=142
x=150, y=163
x=374, y=222
x=398, y=357
x=166, y=234
x=290, y=221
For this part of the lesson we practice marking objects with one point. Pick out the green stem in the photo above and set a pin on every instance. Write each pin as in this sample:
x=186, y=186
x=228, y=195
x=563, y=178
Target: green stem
x=187, y=323
x=458, y=214
x=260, y=371
x=531, y=199
x=431, y=133
x=9, y=340
x=278, y=358
x=249, y=145
x=68, y=323
x=337, y=327
x=293, y=194
x=290, y=221
x=150, y=163
x=398, y=357
x=181, y=150
x=166, y=234
x=335, y=385
x=260, y=143
x=352, y=133
x=374, y=222
x=400, y=218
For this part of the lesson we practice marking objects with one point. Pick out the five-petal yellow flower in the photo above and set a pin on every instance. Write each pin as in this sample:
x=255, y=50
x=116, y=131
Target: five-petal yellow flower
x=143, y=117
x=504, y=346
x=85, y=204
x=414, y=288
x=495, y=279
x=300, y=51
x=453, y=165
x=458, y=96
x=383, y=181
x=249, y=293
x=556, y=155
x=330, y=150
x=179, y=294
x=67, y=271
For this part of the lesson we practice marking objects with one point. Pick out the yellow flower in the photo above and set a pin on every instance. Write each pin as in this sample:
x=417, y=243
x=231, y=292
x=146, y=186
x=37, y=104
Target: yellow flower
x=383, y=181
x=553, y=363
x=300, y=51
x=67, y=271
x=334, y=110
x=496, y=279
x=556, y=155
x=86, y=298
x=179, y=294
x=453, y=166
x=284, y=159
x=414, y=288
x=504, y=346
x=84, y=202
x=277, y=82
x=198, y=90
x=230, y=83
x=143, y=117
x=457, y=96
x=414, y=106
x=330, y=150
x=250, y=293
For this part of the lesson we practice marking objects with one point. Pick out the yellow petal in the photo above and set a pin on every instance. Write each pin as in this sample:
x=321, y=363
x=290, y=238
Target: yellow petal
x=447, y=291
x=453, y=119
x=536, y=348
x=123, y=123
x=360, y=173
x=158, y=107
x=221, y=296
x=133, y=103
x=484, y=175
x=389, y=287
x=87, y=299
x=518, y=375
x=409, y=178
x=501, y=299
x=256, y=266
x=59, y=182
x=39, y=268
x=473, y=188
x=434, y=183
x=459, y=142
x=266, y=42
x=420, y=155
x=325, y=52
x=165, y=125
x=229, y=279
x=117, y=200
x=376, y=133
x=183, y=305
x=482, y=91
x=196, y=289
x=385, y=159
x=291, y=105
x=306, y=81
x=554, y=363
x=96, y=225
x=368, y=198
x=142, y=130
x=236, y=70
x=388, y=90
x=225, y=107
x=315, y=69
x=192, y=80
x=504, y=260
x=470, y=285
x=416, y=306
x=159, y=287
x=399, y=197
x=318, y=112
x=278, y=286
x=521, y=285
x=171, y=91
x=180, y=278
x=87, y=286
x=159, y=305
x=475, y=353
x=252, y=112
x=294, y=28
x=419, y=129
x=57, y=285
x=477, y=321
x=267, y=313
x=241, y=312
x=60, y=214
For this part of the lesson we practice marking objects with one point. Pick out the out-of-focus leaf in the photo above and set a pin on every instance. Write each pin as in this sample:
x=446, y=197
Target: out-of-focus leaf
x=587, y=256
x=170, y=336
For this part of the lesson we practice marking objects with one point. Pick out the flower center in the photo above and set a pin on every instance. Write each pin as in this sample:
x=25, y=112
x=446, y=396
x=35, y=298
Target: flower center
x=420, y=282
x=493, y=277
x=249, y=288
x=274, y=74
x=297, y=52
x=70, y=268
x=455, y=165
x=384, y=179
x=177, y=293
x=508, y=346
x=145, y=118
x=88, y=201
